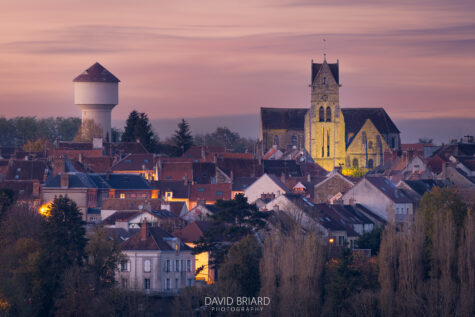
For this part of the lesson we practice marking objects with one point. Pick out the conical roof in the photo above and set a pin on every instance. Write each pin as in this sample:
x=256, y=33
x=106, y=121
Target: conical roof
x=97, y=73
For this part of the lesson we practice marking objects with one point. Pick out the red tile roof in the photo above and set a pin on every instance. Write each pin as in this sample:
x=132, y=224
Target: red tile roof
x=176, y=171
x=210, y=192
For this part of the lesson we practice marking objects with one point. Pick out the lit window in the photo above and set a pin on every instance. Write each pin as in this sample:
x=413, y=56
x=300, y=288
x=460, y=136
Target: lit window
x=122, y=196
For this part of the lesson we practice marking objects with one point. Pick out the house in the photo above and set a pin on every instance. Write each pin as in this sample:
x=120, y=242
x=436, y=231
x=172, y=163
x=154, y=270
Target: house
x=382, y=197
x=239, y=167
x=173, y=191
x=172, y=170
x=27, y=170
x=208, y=193
x=239, y=184
x=190, y=234
x=142, y=164
x=27, y=191
x=156, y=262
x=330, y=186
x=266, y=184
x=200, y=212
x=111, y=205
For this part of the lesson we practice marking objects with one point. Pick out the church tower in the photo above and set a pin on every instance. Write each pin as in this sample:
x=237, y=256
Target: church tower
x=324, y=124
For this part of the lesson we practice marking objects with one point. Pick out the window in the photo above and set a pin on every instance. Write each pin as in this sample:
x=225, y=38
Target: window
x=167, y=284
x=168, y=177
x=167, y=266
x=177, y=265
x=176, y=283
x=370, y=163
x=124, y=266
x=145, y=161
x=122, y=196
x=128, y=161
x=363, y=138
x=189, y=282
x=324, y=81
x=341, y=240
x=355, y=162
x=124, y=283
x=201, y=189
x=328, y=142
x=321, y=114
x=370, y=144
x=276, y=140
x=188, y=265
x=294, y=140
x=147, y=266
x=329, y=114
x=146, y=283
x=219, y=193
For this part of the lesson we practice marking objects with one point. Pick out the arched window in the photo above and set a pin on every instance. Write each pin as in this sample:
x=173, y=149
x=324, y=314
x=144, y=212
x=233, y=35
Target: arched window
x=276, y=140
x=321, y=114
x=370, y=163
x=294, y=140
x=355, y=162
x=329, y=114
x=328, y=142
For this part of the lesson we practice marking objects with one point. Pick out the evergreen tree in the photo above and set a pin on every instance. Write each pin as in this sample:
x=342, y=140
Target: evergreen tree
x=183, y=138
x=62, y=243
x=138, y=127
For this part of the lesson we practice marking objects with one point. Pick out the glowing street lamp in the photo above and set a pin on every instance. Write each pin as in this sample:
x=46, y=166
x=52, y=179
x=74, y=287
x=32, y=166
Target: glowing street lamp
x=331, y=240
x=45, y=210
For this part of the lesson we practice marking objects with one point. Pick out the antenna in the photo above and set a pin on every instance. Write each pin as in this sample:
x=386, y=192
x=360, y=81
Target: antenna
x=324, y=49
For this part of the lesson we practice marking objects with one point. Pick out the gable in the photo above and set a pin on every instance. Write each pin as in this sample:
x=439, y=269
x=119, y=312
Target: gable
x=356, y=117
x=354, y=144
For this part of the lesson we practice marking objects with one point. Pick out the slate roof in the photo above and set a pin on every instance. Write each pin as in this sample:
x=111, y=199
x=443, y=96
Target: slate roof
x=154, y=241
x=99, y=164
x=241, y=183
x=333, y=68
x=130, y=203
x=116, y=181
x=135, y=162
x=26, y=170
x=127, y=181
x=277, y=167
x=389, y=189
x=120, y=216
x=203, y=172
x=422, y=186
x=240, y=167
x=283, y=118
x=210, y=192
x=178, y=188
x=356, y=117
x=96, y=73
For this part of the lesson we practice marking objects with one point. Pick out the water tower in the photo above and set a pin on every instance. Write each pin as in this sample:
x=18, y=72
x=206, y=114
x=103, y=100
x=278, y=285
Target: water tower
x=96, y=92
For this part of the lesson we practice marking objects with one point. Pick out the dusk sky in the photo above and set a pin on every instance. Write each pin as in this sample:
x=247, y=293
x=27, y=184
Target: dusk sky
x=219, y=58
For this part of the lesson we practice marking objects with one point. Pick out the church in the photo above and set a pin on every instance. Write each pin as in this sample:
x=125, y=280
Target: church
x=332, y=136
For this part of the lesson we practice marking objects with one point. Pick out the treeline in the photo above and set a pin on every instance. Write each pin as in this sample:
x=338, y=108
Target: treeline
x=19, y=130
x=226, y=138
x=427, y=269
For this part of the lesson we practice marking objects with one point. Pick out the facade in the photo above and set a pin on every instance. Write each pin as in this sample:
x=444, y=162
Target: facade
x=333, y=136
x=156, y=262
x=96, y=92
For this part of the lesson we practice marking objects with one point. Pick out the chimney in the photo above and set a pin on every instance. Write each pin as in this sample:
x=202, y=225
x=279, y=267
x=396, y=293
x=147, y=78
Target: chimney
x=64, y=180
x=36, y=188
x=59, y=165
x=144, y=230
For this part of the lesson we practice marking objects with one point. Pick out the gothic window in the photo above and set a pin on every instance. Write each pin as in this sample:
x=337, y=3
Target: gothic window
x=328, y=142
x=321, y=114
x=363, y=138
x=355, y=162
x=329, y=114
x=294, y=140
x=370, y=163
x=276, y=140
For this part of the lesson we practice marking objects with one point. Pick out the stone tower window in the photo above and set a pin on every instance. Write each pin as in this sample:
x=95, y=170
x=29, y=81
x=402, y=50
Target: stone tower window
x=324, y=81
x=355, y=162
x=321, y=114
x=370, y=144
x=329, y=114
x=370, y=163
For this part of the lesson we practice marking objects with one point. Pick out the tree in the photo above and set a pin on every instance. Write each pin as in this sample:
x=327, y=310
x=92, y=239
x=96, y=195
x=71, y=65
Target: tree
x=63, y=245
x=88, y=131
x=138, y=128
x=371, y=240
x=7, y=198
x=234, y=220
x=39, y=145
x=226, y=138
x=183, y=138
x=104, y=257
x=239, y=275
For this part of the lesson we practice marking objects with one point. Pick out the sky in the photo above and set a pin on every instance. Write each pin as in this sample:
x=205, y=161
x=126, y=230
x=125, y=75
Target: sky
x=198, y=59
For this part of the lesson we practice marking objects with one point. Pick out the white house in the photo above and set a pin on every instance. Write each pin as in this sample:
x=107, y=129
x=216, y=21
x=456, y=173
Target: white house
x=382, y=197
x=156, y=262
x=266, y=184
